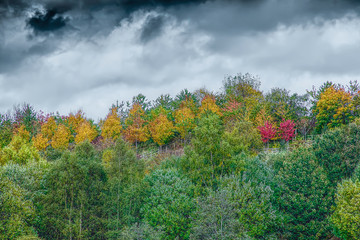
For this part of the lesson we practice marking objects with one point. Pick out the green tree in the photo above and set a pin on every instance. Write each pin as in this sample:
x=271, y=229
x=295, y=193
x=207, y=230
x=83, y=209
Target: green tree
x=169, y=203
x=17, y=212
x=125, y=173
x=215, y=218
x=338, y=151
x=303, y=193
x=346, y=217
x=209, y=156
x=73, y=205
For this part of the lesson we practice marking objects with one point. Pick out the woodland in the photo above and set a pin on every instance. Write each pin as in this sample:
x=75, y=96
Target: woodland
x=239, y=163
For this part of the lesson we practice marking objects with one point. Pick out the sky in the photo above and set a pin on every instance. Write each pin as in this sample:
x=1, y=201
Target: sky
x=66, y=55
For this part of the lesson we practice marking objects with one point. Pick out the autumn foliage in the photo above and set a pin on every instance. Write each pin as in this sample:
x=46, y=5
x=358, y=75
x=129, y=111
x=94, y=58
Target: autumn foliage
x=287, y=130
x=268, y=132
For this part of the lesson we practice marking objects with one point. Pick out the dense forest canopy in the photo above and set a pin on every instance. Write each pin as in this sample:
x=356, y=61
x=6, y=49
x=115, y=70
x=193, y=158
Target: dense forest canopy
x=235, y=164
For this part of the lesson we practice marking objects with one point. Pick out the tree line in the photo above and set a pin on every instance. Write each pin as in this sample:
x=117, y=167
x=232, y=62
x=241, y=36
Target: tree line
x=67, y=177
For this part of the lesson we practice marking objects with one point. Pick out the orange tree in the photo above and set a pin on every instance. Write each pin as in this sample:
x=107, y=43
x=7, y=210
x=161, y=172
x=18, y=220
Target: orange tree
x=208, y=104
x=160, y=127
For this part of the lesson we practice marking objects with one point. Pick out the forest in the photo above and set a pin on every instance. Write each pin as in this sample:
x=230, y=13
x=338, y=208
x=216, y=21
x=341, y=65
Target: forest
x=239, y=163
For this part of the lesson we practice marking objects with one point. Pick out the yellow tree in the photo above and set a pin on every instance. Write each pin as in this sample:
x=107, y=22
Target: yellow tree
x=184, y=121
x=75, y=120
x=111, y=128
x=334, y=108
x=161, y=129
x=85, y=131
x=40, y=142
x=61, y=137
x=48, y=128
x=208, y=104
x=136, y=130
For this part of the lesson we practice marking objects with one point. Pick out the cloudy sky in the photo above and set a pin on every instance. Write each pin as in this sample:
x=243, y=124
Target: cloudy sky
x=65, y=55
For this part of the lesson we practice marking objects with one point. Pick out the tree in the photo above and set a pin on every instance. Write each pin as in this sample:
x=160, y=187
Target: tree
x=215, y=218
x=346, y=217
x=136, y=130
x=85, y=132
x=111, y=128
x=338, y=151
x=161, y=129
x=61, y=137
x=16, y=211
x=209, y=156
x=184, y=121
x=125, y=172
x=169, y=203
x=73, y=205
x=19, y=150
x=208, y=104
x=334, y=108
x=268, y=132
x=303, y=193
x=242, y=137
x=287, y=130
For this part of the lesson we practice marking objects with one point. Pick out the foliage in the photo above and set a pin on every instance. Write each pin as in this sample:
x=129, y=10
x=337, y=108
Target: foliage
x=16, y=211
x=338, y=151
x=268, y=132
x=136, y=130
x=111, y=128
x=73, y=205
x=287, y=130
x=184, y=121
x=215, y=218
x=161, y=129
x=169, y=203
x=346, y=217
x=333, y=108
x=303, y=193
x=242, y=137
x=61, y=137
x=208, y=104
x=85, y=132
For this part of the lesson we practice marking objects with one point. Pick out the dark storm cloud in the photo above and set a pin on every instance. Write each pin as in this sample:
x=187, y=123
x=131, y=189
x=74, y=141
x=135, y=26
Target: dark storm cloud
x=49, y=21
x=152, y=28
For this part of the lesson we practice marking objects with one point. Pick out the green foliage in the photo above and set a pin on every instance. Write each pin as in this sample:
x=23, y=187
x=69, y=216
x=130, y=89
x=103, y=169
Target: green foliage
x=73, y=205
x=346, y=217
x=303, y=193
x=251, y=196
x=19, y=151
x=169, y=203
x=215, y=218
x=338, y=152
x=16, y=211
x=209, y=158
x=242, y=137
x=142, y=231
x=125, y=189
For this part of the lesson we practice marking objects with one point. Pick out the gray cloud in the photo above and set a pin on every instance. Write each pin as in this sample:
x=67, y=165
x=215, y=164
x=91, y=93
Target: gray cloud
x=88, y=54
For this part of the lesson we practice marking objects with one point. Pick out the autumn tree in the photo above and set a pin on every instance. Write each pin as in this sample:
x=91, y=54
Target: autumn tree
x=161, y=129
x=208, y=104
x=85, y=131
x=268, y=132
x=287, y=130
x=111, y=128
x=334, y=108
x=136, y=130
x=184, y=121
x=61, y=137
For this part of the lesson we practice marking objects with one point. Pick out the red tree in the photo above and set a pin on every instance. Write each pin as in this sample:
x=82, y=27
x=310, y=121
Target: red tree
x=268, y=132
x=287, y=130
